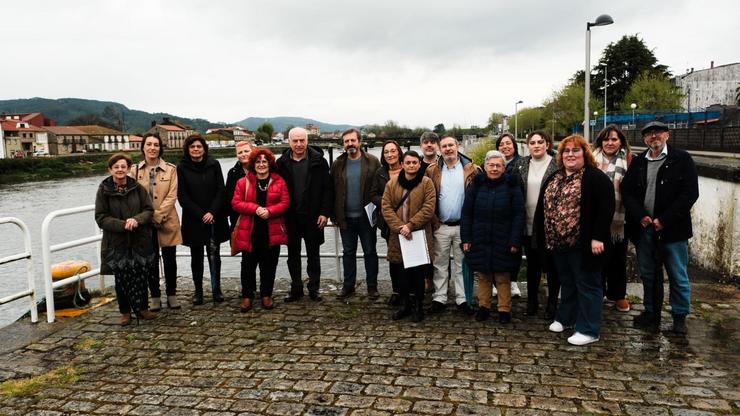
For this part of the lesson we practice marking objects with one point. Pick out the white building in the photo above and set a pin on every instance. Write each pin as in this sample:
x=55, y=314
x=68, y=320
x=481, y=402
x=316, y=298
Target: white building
x=711, y=86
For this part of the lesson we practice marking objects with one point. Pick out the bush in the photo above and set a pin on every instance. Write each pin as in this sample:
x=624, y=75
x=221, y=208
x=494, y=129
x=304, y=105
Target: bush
x=478, y=152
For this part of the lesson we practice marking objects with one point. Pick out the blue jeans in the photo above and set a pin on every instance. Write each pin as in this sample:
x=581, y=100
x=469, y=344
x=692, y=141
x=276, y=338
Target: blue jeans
x=651, y=257
x=359, y=227
x=581, y=292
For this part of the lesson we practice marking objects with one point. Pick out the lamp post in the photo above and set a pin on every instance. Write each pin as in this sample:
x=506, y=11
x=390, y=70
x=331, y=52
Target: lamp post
x=602, y=20
x=605, y=86
x=633, y=106
x=516, y=119
x=596, y=117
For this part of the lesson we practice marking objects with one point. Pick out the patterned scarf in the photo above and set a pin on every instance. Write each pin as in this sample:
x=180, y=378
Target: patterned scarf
x=615, y=170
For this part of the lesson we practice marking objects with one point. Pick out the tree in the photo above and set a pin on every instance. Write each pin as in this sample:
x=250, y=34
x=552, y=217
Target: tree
x=440, y=129
x=563, y=112
x=494, y=120
x=286, y=131
x=653, y=92
x=625, y=61
x=264, y=133
x=114, y=116
x=530, y=119
x=90, y=119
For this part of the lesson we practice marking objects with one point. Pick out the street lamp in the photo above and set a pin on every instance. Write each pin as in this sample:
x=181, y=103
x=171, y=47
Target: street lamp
x=516, y=119
x=596, y=117
x=605, y=86
x=633, y=106
x=602, y=20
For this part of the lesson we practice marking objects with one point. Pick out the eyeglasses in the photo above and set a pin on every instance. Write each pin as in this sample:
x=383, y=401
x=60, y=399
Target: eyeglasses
x=572, y=150
x=494, y=165
x=261, y=162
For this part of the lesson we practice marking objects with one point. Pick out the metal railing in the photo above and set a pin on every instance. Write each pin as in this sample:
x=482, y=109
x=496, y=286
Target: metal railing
x=30, y=292
x=336, y=255
x=47, y=249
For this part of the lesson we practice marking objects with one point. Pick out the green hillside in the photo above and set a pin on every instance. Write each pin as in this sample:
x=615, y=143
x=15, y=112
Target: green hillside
x=65, y=110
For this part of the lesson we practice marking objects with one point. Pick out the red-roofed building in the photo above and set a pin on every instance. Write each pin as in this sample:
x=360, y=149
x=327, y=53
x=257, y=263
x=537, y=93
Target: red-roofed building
x=19, y=138
x=173, y=136
x=37, y=119
x=64, y=140
x=313, y=129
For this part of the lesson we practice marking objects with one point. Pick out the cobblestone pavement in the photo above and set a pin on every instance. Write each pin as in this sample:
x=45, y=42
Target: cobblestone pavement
x=334, y=358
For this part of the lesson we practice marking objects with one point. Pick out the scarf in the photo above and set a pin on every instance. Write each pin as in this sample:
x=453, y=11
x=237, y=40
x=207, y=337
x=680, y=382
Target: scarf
x=615, y=170
x=408, y=185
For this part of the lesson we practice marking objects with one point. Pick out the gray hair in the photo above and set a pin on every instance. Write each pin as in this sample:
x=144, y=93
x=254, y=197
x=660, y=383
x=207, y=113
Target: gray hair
x=296, y=131
x=493, y=154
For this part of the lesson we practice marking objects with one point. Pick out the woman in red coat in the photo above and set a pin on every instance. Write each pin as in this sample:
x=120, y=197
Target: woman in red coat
x=261, y=198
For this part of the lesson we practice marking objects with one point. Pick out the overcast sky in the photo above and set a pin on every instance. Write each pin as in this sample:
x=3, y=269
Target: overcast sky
x=418, y=62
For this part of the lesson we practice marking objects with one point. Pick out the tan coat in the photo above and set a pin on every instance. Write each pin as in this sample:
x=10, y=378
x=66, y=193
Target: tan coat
x=470, y=170
x=421, y=205
x=165, y=219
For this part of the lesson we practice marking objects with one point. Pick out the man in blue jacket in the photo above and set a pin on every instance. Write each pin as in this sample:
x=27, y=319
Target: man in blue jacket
x=658, y=191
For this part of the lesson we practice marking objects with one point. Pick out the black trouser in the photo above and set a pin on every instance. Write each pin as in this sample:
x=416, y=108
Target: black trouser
x=169, y=261
x=196, y=264
x=410, y=281
x=296, y=233
x=267, y=259
x=124, y=303
x=614, y=273
x=534, y=274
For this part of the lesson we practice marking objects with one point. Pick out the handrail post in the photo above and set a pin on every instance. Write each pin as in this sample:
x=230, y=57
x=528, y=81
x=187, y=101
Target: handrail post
x=46, y=267
x=28, y=256
x=336, y=252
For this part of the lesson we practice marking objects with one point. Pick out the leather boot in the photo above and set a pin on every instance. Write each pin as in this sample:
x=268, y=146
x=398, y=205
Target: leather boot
x=218, y=297
x=198, y=296
x=418, y=312
x=404, y=310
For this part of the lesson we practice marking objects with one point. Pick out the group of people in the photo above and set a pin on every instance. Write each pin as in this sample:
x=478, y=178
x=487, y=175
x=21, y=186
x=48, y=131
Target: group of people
x=571, y=211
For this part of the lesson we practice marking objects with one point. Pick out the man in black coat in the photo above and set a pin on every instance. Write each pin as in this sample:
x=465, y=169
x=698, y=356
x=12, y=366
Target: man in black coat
x=658, y=191
x=311, y=197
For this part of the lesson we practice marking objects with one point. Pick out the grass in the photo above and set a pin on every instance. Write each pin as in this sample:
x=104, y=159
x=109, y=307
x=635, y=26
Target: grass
x=28, y=387
x=87, y=344
x=632, y=299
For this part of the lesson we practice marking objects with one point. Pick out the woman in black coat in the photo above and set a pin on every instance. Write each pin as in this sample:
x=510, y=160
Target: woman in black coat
x=492, y=230
x=123, y=210
x=202, y=195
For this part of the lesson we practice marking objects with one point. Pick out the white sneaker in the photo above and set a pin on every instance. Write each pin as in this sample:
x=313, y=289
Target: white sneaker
x=515, y=292
x=495, y=291
x=556, y=326
x=581, y=339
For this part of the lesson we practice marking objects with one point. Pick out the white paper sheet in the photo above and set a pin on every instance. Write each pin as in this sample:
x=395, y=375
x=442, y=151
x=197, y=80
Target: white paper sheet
x=370, y=210
x=415, y=252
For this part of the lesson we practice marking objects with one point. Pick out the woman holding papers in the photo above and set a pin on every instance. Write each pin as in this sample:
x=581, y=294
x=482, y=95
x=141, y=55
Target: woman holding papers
x=408, y=206
x=492, y=230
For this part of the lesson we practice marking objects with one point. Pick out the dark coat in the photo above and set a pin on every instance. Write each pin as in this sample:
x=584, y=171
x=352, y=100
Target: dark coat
x=201, y=189
x=318, y=198
x=112, y=209
x=597, y=210
x=380, y=179
x=676, y=190
x=369, y=164
x=232, y=177
x=244, y=202
x=493, y=221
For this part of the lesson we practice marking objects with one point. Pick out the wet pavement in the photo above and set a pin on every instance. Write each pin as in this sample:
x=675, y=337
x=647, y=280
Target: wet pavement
x=334, y=358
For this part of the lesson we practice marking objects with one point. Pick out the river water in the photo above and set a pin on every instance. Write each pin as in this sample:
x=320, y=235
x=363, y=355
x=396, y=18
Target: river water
x=32, y=202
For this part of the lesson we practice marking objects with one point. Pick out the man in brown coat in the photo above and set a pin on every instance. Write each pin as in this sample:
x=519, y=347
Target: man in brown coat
x=451, y=176
x=352, y=174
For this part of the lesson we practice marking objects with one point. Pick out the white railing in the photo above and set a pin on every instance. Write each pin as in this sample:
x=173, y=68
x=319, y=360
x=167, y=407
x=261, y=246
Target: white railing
x=47, y=249
x=30, y=292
